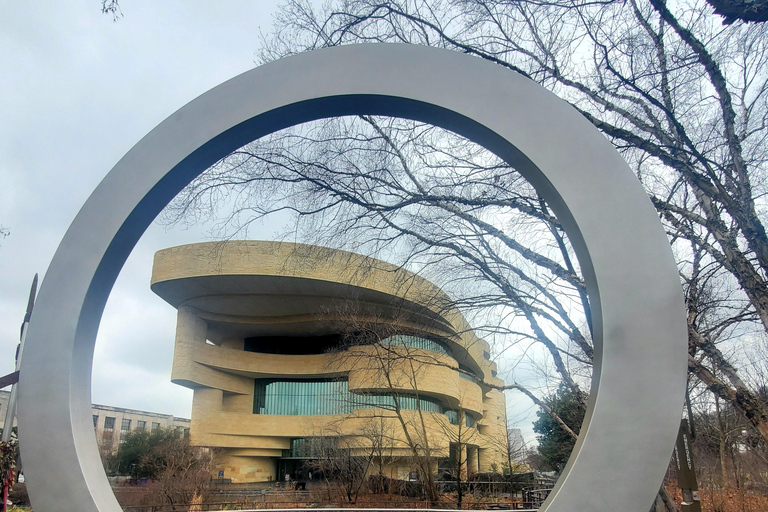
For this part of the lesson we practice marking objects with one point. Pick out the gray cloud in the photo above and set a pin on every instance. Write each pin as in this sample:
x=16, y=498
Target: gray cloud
x=76, y=93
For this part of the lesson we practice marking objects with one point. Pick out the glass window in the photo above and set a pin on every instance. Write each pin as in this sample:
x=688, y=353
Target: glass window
x=467, y=373
x=486, y=355
x=404, y=402
x=141, y=425
x=402, y=340
x=453, y=417
x=125, y=426
x=95, y=420
x=155, y=426
x=186, y=432
x=109, y=423
x=324, y=397
x=310, y=397
x=311, y=447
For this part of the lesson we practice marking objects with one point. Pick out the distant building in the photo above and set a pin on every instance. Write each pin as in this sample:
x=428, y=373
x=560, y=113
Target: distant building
x=291, y=346
x=516, y=441
x=113, y=423
x=5, y=397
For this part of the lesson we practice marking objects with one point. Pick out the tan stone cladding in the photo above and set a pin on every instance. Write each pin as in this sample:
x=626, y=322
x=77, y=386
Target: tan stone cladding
x=230, y=293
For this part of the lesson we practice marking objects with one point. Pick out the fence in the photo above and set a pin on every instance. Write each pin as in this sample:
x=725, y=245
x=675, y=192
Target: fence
x=478, y=496
x=235, y=506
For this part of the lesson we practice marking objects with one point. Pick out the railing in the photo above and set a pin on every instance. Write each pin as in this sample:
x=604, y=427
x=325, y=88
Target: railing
x=276, y=499
x=216, y=507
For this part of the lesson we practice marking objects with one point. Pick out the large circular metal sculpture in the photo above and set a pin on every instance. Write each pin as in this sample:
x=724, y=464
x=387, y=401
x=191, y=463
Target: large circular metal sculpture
x=638, y=318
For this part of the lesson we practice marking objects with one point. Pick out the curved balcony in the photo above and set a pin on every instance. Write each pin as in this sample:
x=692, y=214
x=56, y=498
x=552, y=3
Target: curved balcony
x=258, y=431
x=256, y=365
x=399, y=368
x=436, y=375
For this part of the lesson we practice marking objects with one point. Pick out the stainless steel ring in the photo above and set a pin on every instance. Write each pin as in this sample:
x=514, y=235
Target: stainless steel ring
x=638, y=316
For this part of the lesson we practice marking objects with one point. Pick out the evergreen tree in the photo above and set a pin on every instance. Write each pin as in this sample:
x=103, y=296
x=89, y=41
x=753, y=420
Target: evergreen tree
x=141, y=451
x=555, y=444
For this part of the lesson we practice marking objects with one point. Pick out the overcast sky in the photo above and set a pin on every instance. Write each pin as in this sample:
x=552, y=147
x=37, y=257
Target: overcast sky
x=76, y=92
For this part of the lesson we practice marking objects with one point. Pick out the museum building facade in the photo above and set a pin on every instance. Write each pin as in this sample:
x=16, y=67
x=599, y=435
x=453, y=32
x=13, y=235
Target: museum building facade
x=289, y=347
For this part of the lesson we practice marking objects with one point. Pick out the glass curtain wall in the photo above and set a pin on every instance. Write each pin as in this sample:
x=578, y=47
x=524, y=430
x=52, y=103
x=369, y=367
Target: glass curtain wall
x=402, y=340
x=453, y=417
x=305, y=397
x=321, y=344
x=326, y=396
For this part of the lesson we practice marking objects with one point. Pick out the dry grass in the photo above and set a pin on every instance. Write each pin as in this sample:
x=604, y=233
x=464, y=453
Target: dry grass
x=726, y=500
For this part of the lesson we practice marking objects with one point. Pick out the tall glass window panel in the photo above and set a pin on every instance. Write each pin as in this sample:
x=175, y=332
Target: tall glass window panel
x=402, y=340
x=325, y=397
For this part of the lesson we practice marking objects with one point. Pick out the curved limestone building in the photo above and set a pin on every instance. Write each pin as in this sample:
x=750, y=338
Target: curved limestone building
x=292, y=348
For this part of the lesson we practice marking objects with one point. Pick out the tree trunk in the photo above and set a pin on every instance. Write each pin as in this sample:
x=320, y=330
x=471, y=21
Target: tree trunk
x=722, y=442
x=741, y=399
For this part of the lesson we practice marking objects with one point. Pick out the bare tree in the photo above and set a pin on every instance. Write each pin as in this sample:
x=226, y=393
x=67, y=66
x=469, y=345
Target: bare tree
x=682, y=96
x=381, y=436
x=387, y=371
x=393, y=188
x=744, y=10
x=397, y=369
x=182, y=472
x=517, y=449
x=111, y=7
x=462, y=438
x=341, y=459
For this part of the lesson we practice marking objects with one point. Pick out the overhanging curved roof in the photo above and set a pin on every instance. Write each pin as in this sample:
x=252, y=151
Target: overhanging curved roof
x=259, y=288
